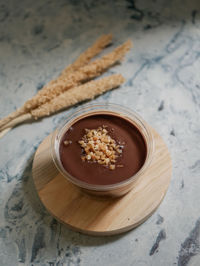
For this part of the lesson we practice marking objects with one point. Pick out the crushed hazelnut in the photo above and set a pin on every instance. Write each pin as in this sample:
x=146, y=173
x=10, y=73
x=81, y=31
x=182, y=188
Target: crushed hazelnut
x=67, y=142
x=112, y=167
x=99, y=147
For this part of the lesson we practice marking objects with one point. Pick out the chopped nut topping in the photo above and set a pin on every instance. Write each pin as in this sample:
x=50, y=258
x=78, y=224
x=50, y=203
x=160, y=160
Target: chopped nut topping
x=99, y=147
x=67, y=142
x=112, y=166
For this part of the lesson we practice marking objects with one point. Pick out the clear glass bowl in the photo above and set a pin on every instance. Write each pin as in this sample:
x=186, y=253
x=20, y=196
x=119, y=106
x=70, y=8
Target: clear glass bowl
x=117, y=189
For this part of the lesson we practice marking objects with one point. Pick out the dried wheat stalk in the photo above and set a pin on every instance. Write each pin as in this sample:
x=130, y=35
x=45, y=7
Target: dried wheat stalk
x=83, y=59
x=72, y=96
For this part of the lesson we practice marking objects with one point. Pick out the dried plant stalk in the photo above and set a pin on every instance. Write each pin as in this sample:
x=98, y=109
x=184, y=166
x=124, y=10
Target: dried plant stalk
x=18, y=120
x=83, y=74
x=75, y=95
x=83, y=59
x=4, y=132
x=78, y=94
x=91, y=52
x=11, y=116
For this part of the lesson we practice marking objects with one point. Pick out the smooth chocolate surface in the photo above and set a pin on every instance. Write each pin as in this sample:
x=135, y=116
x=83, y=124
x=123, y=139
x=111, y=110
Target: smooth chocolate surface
x=132, y=158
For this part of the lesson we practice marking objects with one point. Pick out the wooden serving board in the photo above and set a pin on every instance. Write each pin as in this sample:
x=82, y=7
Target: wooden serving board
x=97, y=215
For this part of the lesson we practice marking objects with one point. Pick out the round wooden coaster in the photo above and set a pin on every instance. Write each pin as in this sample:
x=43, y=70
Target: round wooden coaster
x=96, y=215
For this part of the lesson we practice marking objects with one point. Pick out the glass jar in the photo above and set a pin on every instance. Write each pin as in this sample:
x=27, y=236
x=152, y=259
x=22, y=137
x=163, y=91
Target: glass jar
x=117, y=189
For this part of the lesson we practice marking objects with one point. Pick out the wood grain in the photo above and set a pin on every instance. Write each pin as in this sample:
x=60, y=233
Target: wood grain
x=97, y=215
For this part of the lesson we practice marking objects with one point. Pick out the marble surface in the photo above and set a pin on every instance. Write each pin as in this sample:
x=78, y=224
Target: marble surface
x=37, y=40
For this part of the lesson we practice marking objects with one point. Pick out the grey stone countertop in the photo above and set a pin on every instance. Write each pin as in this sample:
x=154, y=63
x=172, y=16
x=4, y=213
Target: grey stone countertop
x=37, y=40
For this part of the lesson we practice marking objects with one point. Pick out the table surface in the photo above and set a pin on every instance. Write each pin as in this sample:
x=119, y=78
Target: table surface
x=37, y=40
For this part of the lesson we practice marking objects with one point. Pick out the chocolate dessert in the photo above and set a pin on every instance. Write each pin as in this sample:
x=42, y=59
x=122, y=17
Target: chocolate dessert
x=102, y=149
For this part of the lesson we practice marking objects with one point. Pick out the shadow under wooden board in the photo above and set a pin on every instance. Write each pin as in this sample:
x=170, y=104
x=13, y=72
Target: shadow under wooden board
x=95, y=215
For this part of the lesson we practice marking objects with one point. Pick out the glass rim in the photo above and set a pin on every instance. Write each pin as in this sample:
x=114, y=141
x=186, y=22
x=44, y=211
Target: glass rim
x=88, y=110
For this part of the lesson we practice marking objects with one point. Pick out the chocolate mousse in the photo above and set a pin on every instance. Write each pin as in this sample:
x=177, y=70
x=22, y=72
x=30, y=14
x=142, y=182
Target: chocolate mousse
x=102, y=149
